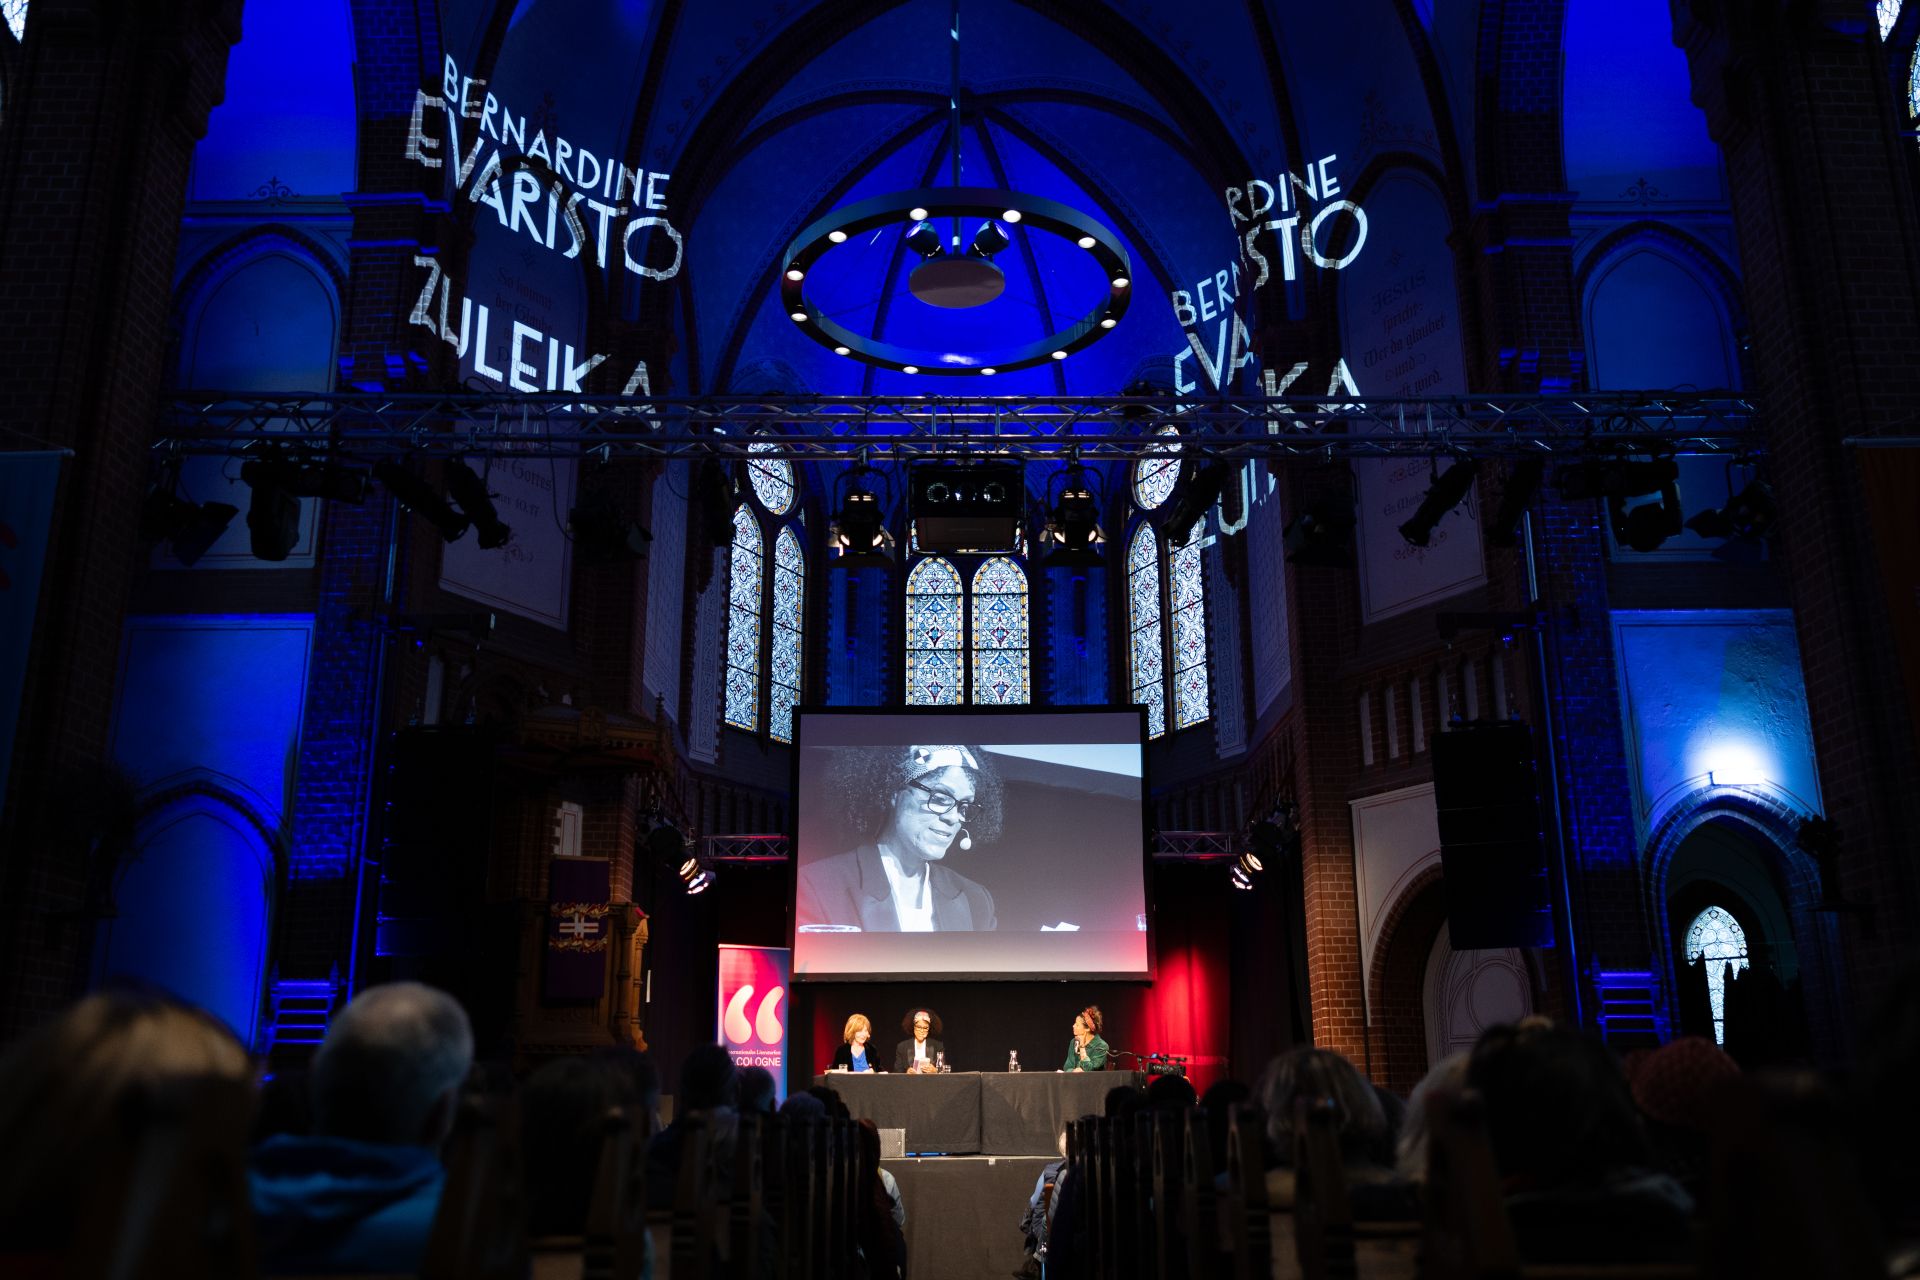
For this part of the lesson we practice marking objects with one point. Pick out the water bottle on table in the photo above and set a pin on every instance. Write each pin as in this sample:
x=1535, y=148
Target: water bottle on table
x=1013, y=1060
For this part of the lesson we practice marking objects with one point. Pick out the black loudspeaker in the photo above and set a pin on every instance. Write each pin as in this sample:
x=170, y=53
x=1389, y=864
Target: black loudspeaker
x=1492, y=856
x=966, y=507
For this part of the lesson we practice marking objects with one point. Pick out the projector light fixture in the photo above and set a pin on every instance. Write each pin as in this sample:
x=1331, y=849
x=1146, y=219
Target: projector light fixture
x=859, y=534
x=1523, y=481
x=470, y=491
x=188, y=528
x=1448, y=490
x=695, y=875
x=273, y=516
x=1749, y=516
x=1073, y=525
x=417, y=496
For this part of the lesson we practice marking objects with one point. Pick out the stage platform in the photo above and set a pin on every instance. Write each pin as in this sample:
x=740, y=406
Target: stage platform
x=963, y=1213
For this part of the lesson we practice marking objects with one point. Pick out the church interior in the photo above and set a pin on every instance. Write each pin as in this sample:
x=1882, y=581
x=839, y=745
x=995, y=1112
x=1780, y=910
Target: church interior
x=1409, y=507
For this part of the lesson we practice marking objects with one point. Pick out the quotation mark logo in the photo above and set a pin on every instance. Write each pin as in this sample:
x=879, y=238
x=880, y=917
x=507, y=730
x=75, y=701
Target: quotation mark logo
x=766, y=1021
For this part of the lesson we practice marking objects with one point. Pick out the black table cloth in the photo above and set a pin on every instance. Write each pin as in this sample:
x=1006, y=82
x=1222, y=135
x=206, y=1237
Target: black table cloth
x=968, y=1112
x=1022, y=1113
x=939, y=1112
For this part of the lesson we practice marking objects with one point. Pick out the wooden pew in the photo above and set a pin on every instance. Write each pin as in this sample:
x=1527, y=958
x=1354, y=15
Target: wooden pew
x=1246, y=1223
x=613, y=1246
x=745, y=1206
x=479, y=1231
x=684, y=1234
x=1200, y=1204
x=1332, y=1243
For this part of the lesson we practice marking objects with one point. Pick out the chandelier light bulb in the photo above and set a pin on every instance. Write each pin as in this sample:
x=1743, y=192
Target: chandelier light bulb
x=843, y=351
x=837, y=236
x=1085, y=242
x=798, y=317
x=1119, y=282
x=1108, y=323
x=1059, y=355
x=795, y=273
x=1011, y=215
x=989, y=371
x=917, y=214
x=909, y=368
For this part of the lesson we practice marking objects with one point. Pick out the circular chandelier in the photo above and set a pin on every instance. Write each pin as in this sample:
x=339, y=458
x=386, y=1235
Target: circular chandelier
x=962, y=279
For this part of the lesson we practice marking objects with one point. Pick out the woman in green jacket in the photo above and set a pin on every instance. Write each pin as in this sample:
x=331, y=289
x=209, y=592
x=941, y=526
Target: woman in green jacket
x=1086, y=1051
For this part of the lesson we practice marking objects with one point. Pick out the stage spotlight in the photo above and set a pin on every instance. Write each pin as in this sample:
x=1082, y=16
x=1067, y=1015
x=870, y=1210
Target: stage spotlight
x=273, y=516
x=418, y=497
x=665, y=845
x=924, y=240
x=1320, y=537
x=1648, y=525
x=695, y=875
x=602, y=534
x=188, y=528
x=1200, y=487
x=859, y=532
x=1615, y=477
x=1239, y=878
x=331, y=480
x=1073, y=526
x=1522, y=483
x=989, y=240
x=1749, y=516
x=1448, y=490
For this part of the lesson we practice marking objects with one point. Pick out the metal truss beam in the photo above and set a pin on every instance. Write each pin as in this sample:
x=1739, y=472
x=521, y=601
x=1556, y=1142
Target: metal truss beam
x=901, y=428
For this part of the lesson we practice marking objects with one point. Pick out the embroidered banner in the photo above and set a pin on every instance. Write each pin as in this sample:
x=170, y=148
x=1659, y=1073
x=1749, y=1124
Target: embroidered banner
x=579, y=923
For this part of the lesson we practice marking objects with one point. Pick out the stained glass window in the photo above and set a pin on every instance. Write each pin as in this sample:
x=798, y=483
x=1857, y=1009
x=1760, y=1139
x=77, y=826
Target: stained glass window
x=1000, y=633
x=772, y=479
x=1154, y=478
x=1716, y=939
x=16, y=15
x=1888, y=11
x=743, y=622
x=789, y=601
x=933, y=634
x=1186, y=588
x=1143, y=595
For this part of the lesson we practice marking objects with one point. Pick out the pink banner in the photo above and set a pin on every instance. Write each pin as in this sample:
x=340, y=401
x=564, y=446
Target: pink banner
x=753, y=1008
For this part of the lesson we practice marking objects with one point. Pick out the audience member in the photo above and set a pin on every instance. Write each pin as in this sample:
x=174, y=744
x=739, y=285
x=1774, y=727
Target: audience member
x=835, y=1105
x=1170, y=1093
x=1674, y=1088
x=803, y=1106
x=757, y=1088
x=1570, y=1151
x=709, y=1089
x=1122, y=1099
x=1038, y=1217
x=66, y=1095
x=1360, y=1126
x=359, y=1193
x=1410, y=1152
x=563, y=1107
x=882, y=1242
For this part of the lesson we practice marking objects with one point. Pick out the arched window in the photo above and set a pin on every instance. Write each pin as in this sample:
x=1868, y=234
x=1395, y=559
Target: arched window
x=744, y=587
x=1186, y=588
x=1913, y=84
x=933, y=634
x=16, y=15
x=789, y=606
x=771, y=478
x=1888, y=11
x=1000, y=633
x=1716, y=939
x=1154, y=478
x=1143, y=596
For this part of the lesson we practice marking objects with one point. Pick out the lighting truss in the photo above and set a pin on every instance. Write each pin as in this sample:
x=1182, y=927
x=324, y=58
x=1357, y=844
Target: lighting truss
x=900, y=428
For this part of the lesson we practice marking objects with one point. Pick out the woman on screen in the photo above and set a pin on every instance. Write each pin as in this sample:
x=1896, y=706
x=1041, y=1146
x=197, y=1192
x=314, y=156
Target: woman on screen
x=853, y=1055
x=1086, y=1051
x=914, y=805
x=922, y=1050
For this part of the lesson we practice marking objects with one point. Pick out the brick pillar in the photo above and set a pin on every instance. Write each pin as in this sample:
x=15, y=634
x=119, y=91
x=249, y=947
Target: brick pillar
x=1821, y=185
x=103, y=110
x=1531, y=341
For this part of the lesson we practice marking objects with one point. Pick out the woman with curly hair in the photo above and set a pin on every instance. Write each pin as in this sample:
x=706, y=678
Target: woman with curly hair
x=1086, y=1051
x=912, y=805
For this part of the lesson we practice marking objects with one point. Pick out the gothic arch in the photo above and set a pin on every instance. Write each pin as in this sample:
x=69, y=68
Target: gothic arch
x=1774, y=825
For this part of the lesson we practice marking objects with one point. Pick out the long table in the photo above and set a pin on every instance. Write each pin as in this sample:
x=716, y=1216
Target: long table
x=978, y=1112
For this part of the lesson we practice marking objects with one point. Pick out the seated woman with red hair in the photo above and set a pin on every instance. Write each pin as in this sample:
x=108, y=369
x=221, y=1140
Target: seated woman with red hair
x=1086, y=1051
